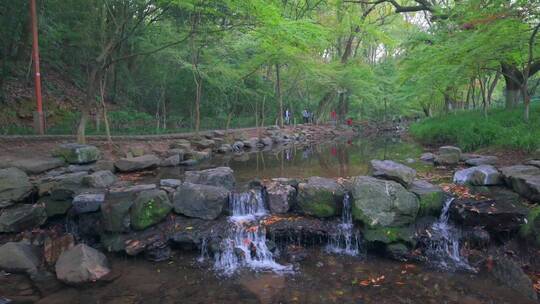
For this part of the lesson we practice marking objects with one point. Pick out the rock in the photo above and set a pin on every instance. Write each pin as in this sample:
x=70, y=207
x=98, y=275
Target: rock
x=181, y=144
x=201, y=155
x=171, y=161
x=19, y=218
x=484, y=175
x=104, y=165
x=533, y=162
x=427, y=157
x=431, y=197
x=251, y=143
x=390, y=235
x=382, y=203
x=115, y=213
x=391, y=170
x=135, y=151
x=172, y=183
x=37, y=165
x=482, y=160
x=137, y=163
x=266, y=141
x=281, y=197
x=149, y=208
x=114, y=242
x=123, y=191
x=14, y=186
x=398, y=251
x=88, y=202
x=54, y=247
x=219, y=177
x=531, y=228
x=62, y=187
x=524, y=180
x=238, y=146
x=54, y=207
x=77, y=153
x=295, y=253
x=448, y=155
x=320, y=197
x=200, y=201
x=19, y=257
x=100, y=179
x=81, y=264
x=225, y=148
x=492, y=215
x=178, y=151
x=509, y=273
x=204, y=144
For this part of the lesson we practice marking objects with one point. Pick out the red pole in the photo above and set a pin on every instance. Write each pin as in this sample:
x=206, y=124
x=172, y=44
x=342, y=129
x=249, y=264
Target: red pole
x=37, y=77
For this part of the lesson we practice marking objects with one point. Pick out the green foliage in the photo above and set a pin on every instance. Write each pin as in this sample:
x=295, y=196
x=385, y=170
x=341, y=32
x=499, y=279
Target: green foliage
x=470, y=130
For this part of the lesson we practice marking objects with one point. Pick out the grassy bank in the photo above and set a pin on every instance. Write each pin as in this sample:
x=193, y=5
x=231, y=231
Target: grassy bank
x=471, y=130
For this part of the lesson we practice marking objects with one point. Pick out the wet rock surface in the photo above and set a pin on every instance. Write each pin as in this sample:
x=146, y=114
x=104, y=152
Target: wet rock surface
x=200, y=201
x=14, y=186
x=218, y=177
x=81, y=264
x=320, y=197
x=137, y=163
x=391, y=170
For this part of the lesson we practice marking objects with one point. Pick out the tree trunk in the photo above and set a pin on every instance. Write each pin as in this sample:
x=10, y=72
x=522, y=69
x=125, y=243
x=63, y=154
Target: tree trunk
x=513, y=79
x=85, y=107
x=198, y=105
x=278, y=94
x=526, y=101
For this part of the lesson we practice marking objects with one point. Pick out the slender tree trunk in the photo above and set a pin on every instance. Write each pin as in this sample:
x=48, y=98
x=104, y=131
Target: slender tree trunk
x=87, y=103
x=278, y=94
x=526, y=101
x=105, y=115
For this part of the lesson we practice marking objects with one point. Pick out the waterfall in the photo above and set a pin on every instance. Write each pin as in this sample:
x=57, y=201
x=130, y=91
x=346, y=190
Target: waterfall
x=246, y=243
x=346, y=240
x=444, y=249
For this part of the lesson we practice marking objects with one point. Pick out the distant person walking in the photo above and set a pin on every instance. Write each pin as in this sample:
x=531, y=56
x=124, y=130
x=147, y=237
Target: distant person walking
x=287, y=115
x=305, y=116
x=333, y=117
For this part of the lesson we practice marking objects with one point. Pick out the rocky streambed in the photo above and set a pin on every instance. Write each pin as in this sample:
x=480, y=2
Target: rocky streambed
x=70, y=225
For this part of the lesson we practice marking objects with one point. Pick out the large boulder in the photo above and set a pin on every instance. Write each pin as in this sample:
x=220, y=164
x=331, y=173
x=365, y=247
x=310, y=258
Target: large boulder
x=81, y=264
x=510, y=273
x=87, y=202
x=493, y=215
x=431, y=197
x=482, y=160
x=149, y=208
x=448, y=155
x=77, y=153
x=14, y=186
x=36, y=165
x=483, y=175
x=63, y=186
x=320, y=197
x=200, y=201
x=219, y=177
x=392, y=170
x=100, y=179
x=181, y=144
x=19, y=257
x=281, y=197
x=137, y=163
x=204, y=144
x=115, y=212
x=524, y=179
x=21, y=217
x=382, y=203
x=171, y=161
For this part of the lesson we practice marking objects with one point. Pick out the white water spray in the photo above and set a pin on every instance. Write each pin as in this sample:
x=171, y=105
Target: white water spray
x=444, y=248
x=246, y=244
x=346, y=240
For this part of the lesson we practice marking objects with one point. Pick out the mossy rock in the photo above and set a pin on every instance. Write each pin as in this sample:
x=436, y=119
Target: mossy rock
x=390, y=235
x=531, y=229
x=149, y=208
x=320, y=197
x=77, y=153
x=431, y=197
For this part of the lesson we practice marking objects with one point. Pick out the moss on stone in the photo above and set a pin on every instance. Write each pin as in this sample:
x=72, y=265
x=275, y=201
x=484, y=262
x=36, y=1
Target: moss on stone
x=389, y=235
x=431, y=203
x=319, y=204
x=149, y=209
x=531, y=229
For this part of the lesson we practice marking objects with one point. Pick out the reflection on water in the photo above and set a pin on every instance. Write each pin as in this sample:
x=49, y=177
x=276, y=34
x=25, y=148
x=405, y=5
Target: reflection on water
x=333, y=159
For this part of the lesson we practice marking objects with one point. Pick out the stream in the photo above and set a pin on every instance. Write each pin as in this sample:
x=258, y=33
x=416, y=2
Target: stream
x=246, y=271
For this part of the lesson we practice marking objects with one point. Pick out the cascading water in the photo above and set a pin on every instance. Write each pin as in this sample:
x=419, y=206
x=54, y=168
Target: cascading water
x=444, y=248
x=346, y=240
x=246, y=244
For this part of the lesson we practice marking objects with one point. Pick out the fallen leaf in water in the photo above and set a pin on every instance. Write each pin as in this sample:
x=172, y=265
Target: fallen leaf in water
x=189, y=228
